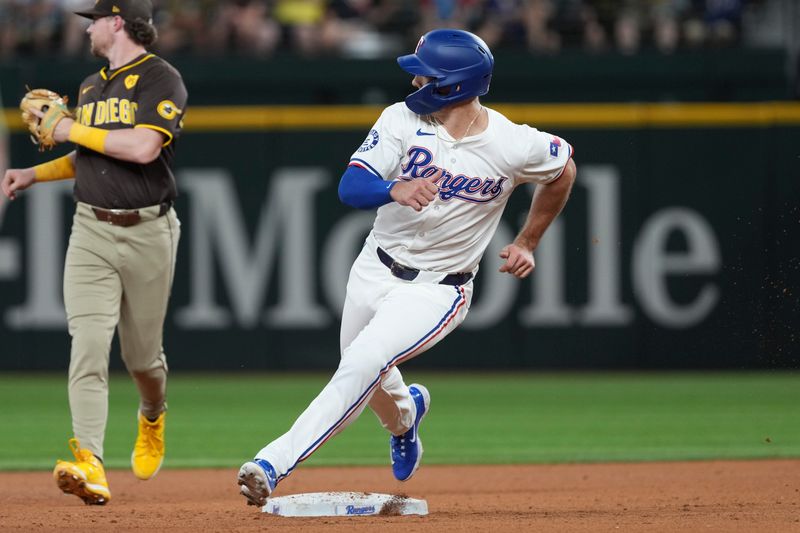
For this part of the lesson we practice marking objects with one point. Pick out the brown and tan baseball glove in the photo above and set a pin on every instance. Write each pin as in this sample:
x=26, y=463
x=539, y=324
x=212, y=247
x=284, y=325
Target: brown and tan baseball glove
x=54, y=109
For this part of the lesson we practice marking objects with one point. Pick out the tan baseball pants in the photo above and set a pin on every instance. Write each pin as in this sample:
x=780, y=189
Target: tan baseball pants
x=117, y=277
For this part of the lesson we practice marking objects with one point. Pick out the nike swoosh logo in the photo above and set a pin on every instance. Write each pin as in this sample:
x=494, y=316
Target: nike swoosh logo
x=86, y=90
x=421, y=133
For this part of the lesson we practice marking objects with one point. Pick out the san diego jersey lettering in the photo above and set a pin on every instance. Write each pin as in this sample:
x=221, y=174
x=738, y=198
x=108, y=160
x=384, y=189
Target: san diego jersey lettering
x=110, y=111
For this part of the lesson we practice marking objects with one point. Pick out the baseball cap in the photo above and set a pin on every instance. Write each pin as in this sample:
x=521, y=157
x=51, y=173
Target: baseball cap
x=127, y=9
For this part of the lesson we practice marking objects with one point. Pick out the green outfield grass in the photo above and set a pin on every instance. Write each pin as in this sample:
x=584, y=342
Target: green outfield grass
x=222, y=420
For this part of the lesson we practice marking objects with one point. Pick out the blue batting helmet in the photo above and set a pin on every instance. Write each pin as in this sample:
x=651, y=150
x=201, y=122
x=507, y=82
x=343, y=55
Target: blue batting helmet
x=460, y=64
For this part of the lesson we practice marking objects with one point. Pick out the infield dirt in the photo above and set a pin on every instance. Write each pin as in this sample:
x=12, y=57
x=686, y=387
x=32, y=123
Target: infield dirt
x=724, y=496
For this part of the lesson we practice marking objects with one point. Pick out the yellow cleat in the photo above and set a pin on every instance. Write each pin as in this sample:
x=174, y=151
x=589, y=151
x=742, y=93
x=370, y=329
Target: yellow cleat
x=85, y=477
x=148, y=453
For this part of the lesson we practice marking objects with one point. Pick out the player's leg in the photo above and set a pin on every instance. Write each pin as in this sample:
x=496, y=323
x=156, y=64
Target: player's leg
x=364, y=294
x=400, y=410
x=150, y=248
x=392, y=403
x=366, y=288
x=92, y=292
x=411, y=319
x=390, y=400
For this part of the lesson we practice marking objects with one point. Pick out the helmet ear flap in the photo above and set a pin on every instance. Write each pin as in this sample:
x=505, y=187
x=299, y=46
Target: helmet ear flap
x=424, y=101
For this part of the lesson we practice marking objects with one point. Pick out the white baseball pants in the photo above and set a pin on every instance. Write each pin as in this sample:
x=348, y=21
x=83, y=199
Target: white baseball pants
x=386, y=321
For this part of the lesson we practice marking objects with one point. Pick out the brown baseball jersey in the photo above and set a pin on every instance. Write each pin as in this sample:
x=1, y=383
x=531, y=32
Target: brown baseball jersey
x=149, y=93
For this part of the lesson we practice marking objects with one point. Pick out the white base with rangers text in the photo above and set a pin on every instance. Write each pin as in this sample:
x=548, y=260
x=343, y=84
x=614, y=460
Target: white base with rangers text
x=345, y=504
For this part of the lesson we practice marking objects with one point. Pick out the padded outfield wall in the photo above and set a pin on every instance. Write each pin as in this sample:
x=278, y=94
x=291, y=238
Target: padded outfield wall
x=680, y=247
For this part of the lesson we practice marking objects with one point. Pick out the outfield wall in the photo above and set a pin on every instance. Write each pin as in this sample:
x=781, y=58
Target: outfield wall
x=680, y=247
x=692, y=75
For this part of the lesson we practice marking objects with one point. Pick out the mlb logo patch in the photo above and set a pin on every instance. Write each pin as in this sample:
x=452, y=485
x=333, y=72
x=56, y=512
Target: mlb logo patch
x=555, y=144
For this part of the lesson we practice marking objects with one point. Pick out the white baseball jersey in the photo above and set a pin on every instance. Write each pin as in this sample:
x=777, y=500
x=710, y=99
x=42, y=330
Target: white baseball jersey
x=476, y=177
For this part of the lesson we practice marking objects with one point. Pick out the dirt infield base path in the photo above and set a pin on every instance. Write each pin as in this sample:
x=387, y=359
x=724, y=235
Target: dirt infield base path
x=725, y=496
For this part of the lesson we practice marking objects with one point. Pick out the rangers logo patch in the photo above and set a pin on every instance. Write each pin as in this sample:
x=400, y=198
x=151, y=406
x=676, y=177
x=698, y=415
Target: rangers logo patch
x=370, y=142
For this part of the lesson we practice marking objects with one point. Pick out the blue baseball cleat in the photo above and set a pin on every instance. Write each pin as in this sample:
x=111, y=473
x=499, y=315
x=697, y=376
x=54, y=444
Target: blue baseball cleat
x=257, y=479
x=406, y=450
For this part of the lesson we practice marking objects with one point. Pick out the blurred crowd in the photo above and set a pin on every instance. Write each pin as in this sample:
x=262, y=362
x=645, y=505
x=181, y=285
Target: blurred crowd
x=375, y=28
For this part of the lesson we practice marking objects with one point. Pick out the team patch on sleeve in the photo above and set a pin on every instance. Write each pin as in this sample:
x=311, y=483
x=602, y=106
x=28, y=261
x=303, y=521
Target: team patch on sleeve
x=370, y=142
x=168, y=110
x=555, y=144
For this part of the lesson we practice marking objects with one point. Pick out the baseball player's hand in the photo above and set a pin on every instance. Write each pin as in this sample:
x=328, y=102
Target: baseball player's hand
x=519, y=261
x=61, y=131
x=416, y=193
x=16, y=179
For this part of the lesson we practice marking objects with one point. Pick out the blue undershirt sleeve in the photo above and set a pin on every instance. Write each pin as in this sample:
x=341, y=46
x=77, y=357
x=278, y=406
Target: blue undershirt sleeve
x=362, y=189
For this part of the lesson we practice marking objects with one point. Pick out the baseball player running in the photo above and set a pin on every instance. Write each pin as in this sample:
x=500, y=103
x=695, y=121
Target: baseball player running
x=121, y=255
x=440, y=168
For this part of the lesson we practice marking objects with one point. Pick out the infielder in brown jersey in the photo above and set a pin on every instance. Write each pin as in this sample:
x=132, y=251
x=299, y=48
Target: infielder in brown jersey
x=122, y=248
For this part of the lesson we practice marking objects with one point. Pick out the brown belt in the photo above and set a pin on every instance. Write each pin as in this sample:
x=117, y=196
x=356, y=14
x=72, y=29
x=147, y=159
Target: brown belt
x=125, y=217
